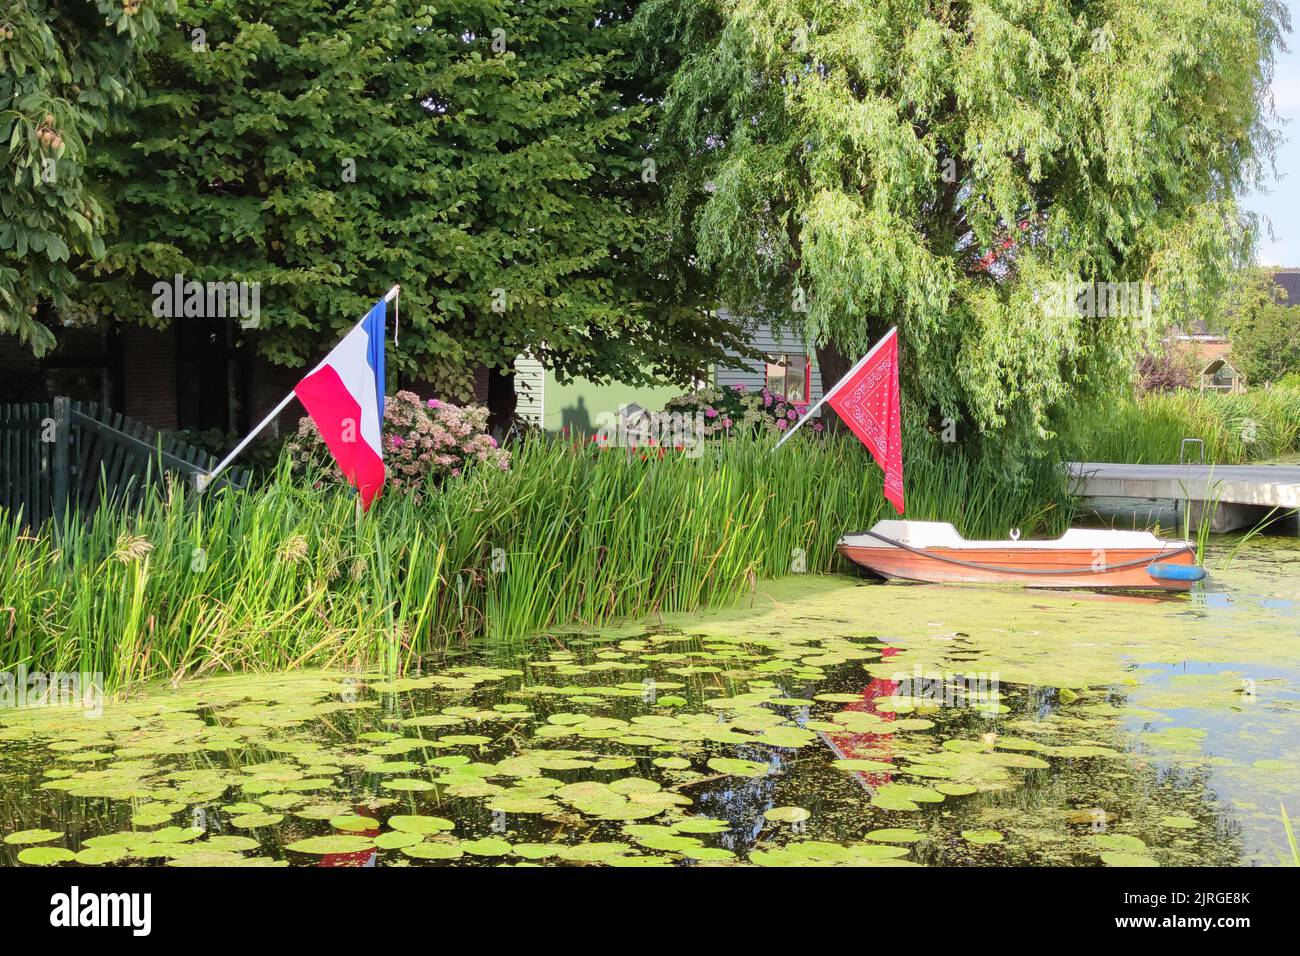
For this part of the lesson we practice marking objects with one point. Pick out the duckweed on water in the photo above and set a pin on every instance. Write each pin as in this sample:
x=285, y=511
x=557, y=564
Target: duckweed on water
x=803, y=731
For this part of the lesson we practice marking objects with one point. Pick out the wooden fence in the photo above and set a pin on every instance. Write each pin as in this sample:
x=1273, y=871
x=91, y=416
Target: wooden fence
x=62, y=455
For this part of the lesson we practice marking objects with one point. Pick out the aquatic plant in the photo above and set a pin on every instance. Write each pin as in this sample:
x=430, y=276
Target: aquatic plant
x=720, y=737
x=288, y=574
x=1291, y=843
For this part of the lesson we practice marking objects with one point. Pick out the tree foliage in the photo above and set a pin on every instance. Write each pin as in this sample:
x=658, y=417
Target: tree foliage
x=1263, y=327
x=64, y=65
x=944, y=166
x=485, y=154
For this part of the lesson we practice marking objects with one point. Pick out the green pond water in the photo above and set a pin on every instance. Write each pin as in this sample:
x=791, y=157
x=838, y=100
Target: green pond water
x=828, y=720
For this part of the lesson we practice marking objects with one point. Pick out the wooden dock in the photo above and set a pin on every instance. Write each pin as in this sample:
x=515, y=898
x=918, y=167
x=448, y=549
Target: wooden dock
x=1243, y=493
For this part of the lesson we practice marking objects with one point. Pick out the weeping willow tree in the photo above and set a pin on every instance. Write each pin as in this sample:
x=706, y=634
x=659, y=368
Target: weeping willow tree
x=952, y=167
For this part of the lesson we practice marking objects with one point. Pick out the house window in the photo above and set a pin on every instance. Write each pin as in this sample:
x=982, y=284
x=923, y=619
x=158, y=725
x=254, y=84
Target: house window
x=788, y=376
x=210, y=379
x=84, y=366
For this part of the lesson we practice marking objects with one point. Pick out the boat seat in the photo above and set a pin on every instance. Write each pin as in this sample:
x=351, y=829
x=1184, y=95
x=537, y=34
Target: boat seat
x=941, y=534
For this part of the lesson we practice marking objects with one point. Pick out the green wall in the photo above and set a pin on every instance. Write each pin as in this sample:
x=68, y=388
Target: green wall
x=578, y=403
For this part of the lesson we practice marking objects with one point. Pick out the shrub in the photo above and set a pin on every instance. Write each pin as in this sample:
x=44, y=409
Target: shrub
x=1165, y=369
x=735, y=410
x=423, y=440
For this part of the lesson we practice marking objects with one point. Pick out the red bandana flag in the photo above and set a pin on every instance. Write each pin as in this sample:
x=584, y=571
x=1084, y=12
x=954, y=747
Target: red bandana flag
x=868, y=401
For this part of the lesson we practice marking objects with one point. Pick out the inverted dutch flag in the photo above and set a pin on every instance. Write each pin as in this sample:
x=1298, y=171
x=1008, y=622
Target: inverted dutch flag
x=344, y=395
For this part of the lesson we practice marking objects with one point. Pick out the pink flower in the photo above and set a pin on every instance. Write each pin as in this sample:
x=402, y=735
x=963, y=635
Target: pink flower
x=781, y=425
x=399, y=441
x=738, y=388
x=710, y=412
x=792, y=414
x=726, y=422
x=492, y=441
x=817, y=426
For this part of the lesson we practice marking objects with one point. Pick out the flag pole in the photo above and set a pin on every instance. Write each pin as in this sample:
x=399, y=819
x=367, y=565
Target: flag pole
x=201, y=482
x=835, y=388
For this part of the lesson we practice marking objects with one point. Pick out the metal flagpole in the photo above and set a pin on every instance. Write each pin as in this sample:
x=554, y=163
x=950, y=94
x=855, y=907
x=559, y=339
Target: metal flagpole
x=201, y=482
x=835, y=388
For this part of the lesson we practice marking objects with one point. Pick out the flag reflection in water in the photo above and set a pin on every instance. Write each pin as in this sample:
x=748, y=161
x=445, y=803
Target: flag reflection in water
x=869, y=746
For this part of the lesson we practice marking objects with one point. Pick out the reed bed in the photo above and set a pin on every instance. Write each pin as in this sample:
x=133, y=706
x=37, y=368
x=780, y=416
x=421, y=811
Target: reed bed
x=1237, y=429
x=291, y=574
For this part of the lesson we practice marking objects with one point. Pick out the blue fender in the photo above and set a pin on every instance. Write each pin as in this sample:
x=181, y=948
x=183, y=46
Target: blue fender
x=1164, y=571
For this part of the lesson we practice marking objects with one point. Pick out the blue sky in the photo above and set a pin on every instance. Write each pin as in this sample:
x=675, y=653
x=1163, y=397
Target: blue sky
x=1281, y=202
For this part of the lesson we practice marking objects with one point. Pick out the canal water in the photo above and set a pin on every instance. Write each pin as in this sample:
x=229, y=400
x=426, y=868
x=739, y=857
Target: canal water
x=826, y=720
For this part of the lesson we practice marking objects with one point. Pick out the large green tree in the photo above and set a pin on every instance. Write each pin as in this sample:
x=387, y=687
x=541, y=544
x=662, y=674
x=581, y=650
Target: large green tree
x=486, y=154
x=1263, y=327
x=947, y=165
x=64, y=66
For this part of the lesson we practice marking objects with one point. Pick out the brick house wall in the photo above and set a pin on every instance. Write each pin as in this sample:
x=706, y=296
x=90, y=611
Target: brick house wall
x=143, y=363
x=149, y=376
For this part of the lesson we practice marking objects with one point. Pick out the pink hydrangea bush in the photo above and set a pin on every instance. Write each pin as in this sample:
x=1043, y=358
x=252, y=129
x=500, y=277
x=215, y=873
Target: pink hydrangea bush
x=736, y=410
x=422, y=439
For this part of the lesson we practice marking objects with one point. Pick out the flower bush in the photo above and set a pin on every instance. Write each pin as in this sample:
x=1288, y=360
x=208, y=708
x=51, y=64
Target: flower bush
x=736, y=410
x=422, y=440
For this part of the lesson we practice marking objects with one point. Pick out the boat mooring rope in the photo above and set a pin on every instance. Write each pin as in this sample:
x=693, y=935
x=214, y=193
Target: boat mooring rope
x=993, y=567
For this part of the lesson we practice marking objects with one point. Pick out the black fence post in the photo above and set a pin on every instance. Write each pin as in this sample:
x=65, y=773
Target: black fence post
x=59, y=465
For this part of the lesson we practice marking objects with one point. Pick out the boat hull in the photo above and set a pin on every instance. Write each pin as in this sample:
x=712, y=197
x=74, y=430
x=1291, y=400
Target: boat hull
x=1073, y=568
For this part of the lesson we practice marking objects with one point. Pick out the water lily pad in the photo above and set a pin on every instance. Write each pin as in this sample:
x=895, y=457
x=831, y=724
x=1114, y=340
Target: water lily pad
x=151, y=818
x=253, y=821
x=407, y=784
x=24, y=837
x=354, y=823
x=592, y=852
x=1179, y=822
x=450, y=760
x=895, y=835
x=125, y=840
x=177, y=834
x=45, y=855
x=100, y=856
x=488, y=846
x=335, y=843
x=672, y=763
x=700, y=825
x=1117, y=841
x=786, y=814
x=396, y=839
x=434, y=851
x=535, y=851
x=952, y=789
x=1115, y=858
x=635, y=785
x=859, y=765
x=737, y=767
x=237, y=809
x=981, y=836
x=414, y=823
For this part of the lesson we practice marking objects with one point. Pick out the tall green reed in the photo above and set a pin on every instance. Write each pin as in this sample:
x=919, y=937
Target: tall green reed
x=291, y=574
x=1236, y=429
